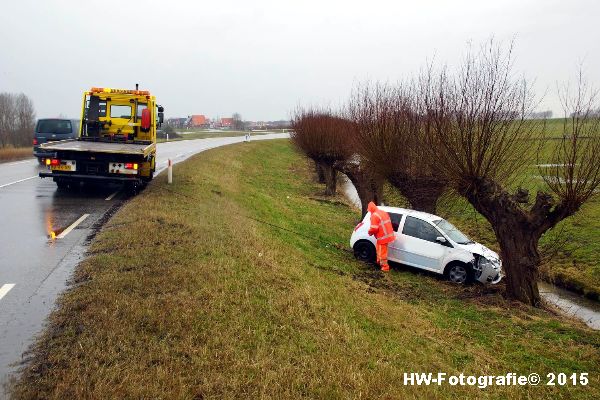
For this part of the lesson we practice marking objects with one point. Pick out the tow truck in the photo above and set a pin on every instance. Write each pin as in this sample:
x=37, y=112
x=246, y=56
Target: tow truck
x=116, y=141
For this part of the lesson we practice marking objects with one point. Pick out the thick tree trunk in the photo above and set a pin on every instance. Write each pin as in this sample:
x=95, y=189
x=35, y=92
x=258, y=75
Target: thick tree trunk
x=368, y=184
x=421, y=192
x=320, y=172
x=518, y=232
x=330, y=180
x=369, y=188
x=521, y=261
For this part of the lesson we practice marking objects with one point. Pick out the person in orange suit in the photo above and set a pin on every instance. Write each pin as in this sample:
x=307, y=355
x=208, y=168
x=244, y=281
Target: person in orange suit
x=381, y=227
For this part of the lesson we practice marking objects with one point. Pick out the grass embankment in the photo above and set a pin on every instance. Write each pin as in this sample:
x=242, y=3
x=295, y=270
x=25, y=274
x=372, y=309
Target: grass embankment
x=188, y=296
x=14, y=153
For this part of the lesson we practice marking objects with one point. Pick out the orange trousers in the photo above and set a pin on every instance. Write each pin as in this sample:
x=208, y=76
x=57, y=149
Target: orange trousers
x=382, y=254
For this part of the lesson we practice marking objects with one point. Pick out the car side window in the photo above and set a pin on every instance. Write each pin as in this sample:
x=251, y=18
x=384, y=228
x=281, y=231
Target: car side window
x=395, y=218
x=420, y=229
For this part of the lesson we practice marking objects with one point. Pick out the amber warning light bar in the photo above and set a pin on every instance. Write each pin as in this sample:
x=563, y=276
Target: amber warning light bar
x=120, y=91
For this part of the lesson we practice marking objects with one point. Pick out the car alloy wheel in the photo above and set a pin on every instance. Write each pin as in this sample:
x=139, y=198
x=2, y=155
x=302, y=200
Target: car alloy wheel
x=458, y=274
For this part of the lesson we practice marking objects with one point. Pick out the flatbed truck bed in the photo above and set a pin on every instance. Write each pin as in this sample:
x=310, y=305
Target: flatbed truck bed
x=142, y=149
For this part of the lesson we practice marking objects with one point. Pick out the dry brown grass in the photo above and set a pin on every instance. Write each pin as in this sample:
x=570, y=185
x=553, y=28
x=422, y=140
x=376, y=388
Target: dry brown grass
x=14, y=154
x=184, y=297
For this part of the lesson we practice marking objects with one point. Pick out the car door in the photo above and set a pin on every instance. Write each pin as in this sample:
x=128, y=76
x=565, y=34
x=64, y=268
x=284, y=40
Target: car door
x=417, y=245
x=393, y=247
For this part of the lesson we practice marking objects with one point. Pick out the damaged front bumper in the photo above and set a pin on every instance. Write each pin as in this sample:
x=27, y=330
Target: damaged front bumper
x=487, y=271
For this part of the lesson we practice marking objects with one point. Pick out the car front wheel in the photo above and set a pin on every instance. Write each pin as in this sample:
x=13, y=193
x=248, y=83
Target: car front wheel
x=459, y=273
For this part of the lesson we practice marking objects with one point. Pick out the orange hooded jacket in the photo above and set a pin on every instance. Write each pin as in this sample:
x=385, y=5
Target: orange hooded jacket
x=381, y=225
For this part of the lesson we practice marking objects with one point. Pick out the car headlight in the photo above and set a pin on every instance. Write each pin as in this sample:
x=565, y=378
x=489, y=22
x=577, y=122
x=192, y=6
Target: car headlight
x=483, y=262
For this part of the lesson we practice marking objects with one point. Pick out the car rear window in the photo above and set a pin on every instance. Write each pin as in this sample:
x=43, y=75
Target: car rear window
x=61, y=126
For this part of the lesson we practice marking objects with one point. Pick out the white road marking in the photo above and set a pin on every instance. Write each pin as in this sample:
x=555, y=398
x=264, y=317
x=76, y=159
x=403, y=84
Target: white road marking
x=72, y=226
x=112, y=195
x=20, y=180
x=16, y=162
x=5, y=289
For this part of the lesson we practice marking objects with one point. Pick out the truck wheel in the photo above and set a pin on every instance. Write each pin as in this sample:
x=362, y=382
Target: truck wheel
x=62, y=185
x=133, y=188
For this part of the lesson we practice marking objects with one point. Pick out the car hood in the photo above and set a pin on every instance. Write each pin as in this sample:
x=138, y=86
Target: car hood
x=478, y=248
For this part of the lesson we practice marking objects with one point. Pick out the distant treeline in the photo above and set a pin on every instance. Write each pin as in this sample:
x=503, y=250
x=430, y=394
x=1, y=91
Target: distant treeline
x=17, y=120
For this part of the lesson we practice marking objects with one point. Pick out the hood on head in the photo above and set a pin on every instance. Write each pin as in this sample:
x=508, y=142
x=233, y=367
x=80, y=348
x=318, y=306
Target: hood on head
x=371, y=207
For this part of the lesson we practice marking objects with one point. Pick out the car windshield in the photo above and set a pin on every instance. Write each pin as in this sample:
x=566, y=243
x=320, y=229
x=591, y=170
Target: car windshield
x=61, y=126
x=452, y=232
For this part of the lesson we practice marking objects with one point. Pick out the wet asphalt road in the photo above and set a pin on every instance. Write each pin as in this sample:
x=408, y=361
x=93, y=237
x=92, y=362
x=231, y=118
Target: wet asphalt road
x=33, y=267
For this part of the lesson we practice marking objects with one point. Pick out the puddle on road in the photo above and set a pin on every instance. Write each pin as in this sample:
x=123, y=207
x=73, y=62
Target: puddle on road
x=570, y=303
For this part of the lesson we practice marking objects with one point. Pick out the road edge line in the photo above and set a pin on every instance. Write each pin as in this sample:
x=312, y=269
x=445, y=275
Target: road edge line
x=72, y=226
x=20, y=180
x=4, y=289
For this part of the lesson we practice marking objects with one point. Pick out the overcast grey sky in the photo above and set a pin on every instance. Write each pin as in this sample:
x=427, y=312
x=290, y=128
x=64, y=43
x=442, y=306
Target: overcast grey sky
x=261, y=58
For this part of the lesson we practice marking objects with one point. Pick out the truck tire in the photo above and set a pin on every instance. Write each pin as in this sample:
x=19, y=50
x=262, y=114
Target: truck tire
x=62, y=185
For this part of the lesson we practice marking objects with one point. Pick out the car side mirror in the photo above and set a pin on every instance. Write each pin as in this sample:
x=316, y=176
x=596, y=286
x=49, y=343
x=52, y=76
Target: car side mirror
x=440, y=239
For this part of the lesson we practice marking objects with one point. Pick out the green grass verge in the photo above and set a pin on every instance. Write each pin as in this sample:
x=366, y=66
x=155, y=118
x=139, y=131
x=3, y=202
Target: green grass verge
x=186, y=295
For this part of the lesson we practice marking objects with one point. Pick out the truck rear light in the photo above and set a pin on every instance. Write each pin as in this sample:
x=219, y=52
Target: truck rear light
x=35, y=141
x=358, y=226
x=54, y=161
x=131, y=166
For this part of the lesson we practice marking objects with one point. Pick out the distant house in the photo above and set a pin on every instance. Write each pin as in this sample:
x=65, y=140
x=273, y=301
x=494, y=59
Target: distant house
x=176, y=122
x=198, y=121
x=226, y=122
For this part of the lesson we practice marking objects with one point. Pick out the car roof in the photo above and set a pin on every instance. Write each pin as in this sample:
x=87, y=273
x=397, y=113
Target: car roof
x=413, y=213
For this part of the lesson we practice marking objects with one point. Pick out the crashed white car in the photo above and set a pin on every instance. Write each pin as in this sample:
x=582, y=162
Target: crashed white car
x=430, y=242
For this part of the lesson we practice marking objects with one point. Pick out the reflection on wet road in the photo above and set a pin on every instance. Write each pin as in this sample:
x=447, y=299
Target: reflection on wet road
x=43, y=235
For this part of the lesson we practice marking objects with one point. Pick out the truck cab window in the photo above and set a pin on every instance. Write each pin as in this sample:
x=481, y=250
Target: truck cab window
x=140, y=107
x=120, y=111
x=98, y=108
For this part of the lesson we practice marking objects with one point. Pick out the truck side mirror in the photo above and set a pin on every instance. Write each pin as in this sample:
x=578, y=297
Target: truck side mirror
x=161, y=117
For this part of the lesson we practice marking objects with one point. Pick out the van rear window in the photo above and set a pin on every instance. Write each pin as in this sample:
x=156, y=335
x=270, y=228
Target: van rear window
x=61, y=126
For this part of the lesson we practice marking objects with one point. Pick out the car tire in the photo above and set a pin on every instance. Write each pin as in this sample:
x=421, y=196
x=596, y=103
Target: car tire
x=458, y=272
x=365, y=251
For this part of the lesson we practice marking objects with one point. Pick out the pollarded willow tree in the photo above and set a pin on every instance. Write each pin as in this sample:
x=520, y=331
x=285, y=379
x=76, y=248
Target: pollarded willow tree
x=363, y=175
x=322, y=137
x=330, y=141
x=477, y=125
x=389, y=131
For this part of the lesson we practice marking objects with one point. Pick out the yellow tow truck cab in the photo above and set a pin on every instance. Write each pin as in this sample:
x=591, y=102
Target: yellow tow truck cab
x=116, y=142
